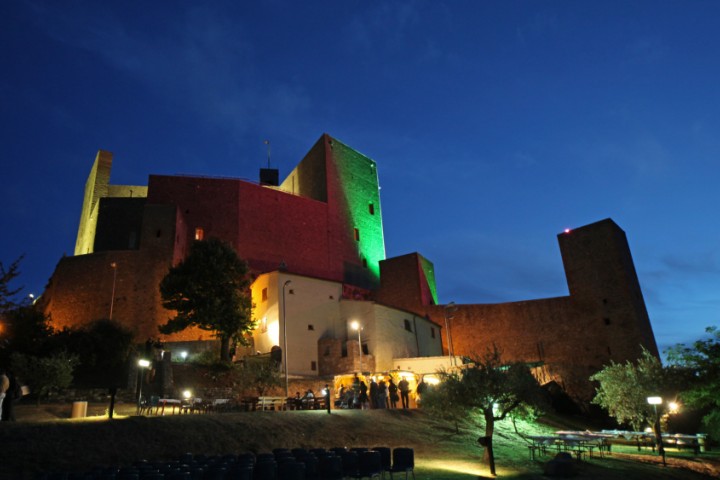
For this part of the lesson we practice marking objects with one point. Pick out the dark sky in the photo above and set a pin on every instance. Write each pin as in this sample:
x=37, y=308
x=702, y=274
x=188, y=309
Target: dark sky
x=495, y=125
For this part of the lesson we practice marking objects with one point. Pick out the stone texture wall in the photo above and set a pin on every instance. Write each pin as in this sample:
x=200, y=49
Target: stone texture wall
x=604, y=317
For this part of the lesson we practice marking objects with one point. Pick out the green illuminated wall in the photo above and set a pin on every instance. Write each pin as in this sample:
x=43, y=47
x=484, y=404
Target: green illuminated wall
x=360, y=193
x=429, y=272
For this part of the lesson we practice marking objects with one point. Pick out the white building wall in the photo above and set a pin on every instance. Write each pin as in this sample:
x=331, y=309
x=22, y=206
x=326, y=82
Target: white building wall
x=314, y=309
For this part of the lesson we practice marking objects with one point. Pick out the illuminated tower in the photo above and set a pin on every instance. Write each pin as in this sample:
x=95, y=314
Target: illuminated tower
x=347, y=181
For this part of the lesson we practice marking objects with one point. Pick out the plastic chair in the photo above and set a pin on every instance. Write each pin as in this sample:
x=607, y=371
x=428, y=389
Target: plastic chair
x=350, y=464
x=265, y=470
x=403, y=461
x=385, y=458
x=331, y=467
x=291, y=470
x=369, y=465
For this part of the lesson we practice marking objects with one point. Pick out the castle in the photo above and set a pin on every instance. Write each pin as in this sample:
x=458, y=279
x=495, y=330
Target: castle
x=314, y=243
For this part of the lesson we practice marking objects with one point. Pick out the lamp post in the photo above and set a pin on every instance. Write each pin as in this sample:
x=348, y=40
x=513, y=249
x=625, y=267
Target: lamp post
x=449, y=310
x=142, y=363
x=285, y=352
x=655, y=401
x=113, y=265
x=356, y=326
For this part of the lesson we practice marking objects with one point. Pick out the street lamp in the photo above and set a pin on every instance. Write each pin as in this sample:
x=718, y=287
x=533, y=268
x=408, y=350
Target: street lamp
x=142, y=363
x=356, y=326
x=285, y=352
x=655, y=401
x=113, y=265
x=449, y=310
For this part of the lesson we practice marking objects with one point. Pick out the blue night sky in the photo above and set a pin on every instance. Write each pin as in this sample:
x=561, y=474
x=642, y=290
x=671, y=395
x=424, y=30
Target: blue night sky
x=495, y=125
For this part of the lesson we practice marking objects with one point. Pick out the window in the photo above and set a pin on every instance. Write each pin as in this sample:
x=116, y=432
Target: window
x=313, y=366
x=371, y=208
x=327, y=351
x=432, y=332
x=199, y=234
x=357, y=234
x=311, y=327
x=606, y=320
x=264, y=294
x=408, y=327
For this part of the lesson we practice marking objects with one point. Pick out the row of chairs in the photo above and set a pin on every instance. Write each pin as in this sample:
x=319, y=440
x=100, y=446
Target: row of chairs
x=336, y=463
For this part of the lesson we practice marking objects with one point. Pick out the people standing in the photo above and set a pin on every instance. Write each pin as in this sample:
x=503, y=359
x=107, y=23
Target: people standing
x=373, y=393
x=404, y=387
x=393, y=391
x=327, y=397
x=381, y=400
x=13, y=393
x=363, y=395
x=420, y=390
x=4, y=387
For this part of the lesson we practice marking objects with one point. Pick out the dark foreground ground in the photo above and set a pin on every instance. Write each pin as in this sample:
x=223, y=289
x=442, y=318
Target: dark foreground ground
x=45, y=439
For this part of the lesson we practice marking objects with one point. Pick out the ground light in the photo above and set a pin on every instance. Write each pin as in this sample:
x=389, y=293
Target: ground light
x=142, y=363
x=655, y=401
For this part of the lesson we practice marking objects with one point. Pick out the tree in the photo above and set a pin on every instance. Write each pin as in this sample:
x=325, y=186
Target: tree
x=625, y=387
x=27, y=330
x=701, y=366
x=487, y=387
x=210, y=290
x=102, y=349
x=260, y=375
x=7, y=275
x=44, y=375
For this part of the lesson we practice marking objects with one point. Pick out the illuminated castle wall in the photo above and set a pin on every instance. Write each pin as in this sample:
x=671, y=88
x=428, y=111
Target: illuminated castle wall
x=603, y=318
x=327, y=225
x=324, y=222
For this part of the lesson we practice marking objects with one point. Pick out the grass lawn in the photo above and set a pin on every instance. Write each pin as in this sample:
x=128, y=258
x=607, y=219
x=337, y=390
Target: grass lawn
x=45, y=439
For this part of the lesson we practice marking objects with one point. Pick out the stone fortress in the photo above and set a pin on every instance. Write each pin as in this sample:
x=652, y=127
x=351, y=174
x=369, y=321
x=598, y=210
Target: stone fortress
x=314, y=243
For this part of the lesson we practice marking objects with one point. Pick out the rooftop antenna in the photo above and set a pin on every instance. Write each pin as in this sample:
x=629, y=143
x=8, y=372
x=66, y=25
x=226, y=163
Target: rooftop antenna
x=267, y=142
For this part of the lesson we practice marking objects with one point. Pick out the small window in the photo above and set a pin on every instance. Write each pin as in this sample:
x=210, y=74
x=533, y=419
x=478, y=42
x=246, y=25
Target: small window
x=606, y=320
x=609, y=352
x=331, y=297
x=158, y=234
x=364, y=262
x=264, y=294
x=263, y=325
x=311, y=327
x=432, y=332
x=313, y=366
x=199, y=234
x=327, y=351
x=291, y=292
x=408, y=327
x=357, y=234
x=371, y=208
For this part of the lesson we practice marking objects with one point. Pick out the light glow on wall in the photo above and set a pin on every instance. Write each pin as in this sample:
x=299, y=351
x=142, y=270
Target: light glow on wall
x=273, y=331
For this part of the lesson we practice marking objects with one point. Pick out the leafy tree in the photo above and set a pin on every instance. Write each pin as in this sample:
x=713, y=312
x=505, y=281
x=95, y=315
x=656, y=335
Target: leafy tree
x=210, y=290
x=7, y=275
x=44, y=375
x=27, y=330
x=102, y=348
x=260, y=375
x=487, y=387
x=625, y=387
x=700, y=364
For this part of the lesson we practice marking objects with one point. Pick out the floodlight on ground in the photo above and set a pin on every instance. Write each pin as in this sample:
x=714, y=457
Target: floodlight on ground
x=654, y=400
x=187, y=394
x=143, y=363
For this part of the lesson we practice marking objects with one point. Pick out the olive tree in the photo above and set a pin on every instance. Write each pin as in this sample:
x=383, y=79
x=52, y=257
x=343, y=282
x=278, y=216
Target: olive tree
x=488, y=388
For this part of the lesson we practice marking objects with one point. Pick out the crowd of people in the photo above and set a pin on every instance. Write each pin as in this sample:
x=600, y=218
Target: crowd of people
x=384, y=393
